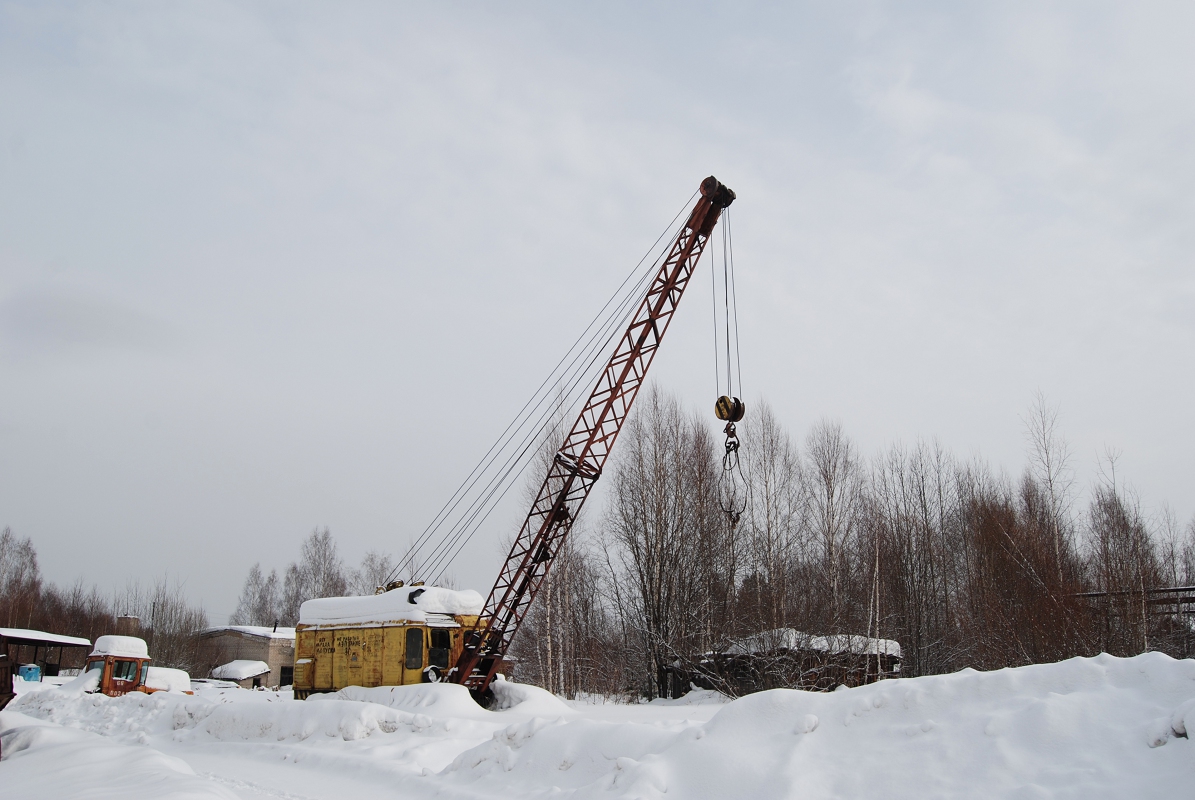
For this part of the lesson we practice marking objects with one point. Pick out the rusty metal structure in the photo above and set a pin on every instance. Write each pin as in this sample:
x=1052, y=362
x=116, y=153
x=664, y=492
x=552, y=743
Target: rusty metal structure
x=579, y=462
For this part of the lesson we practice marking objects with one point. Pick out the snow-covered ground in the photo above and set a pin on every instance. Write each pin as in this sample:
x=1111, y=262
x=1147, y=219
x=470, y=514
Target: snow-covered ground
x=1085, y=728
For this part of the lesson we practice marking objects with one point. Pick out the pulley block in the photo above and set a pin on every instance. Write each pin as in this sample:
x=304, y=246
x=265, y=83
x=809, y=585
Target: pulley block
x=729, y=409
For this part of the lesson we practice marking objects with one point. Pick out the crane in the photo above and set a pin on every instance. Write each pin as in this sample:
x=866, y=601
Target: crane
x=578, y=463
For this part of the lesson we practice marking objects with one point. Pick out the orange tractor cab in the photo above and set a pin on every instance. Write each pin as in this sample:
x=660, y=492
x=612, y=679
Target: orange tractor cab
x=123, y=664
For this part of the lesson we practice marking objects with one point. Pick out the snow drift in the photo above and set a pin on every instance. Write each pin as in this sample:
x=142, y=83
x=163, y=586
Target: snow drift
x=166, y=679
x=66, y=762
x=1091, y=728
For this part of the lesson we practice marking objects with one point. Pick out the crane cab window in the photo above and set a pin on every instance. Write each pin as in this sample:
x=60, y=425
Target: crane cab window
x=414, y=648
x=437, y=655
x=124, y=670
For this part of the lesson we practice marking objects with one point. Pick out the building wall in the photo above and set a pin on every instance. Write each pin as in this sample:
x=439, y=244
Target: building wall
x=220, y=647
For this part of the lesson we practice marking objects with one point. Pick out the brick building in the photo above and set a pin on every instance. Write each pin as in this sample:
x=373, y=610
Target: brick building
x=274, y=646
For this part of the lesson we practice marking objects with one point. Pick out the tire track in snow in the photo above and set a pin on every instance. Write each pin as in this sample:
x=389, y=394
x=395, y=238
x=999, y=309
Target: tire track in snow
x=238, y=785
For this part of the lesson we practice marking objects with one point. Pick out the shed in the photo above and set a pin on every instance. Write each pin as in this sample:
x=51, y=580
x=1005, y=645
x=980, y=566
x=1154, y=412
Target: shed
x=49, y=651
x=248, y=674
x=275, y=646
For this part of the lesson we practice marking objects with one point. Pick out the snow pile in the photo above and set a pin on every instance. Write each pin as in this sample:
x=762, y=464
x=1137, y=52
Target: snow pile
x=1100, y=727
x=87, y=682
x=1092, y=728
x=527, y=699
x=453, y=700
x=408, y=603
x=43, y=760
x=21, y=686
x=240, y=670
x=224, y=716
x=165, y=679
x=448, y=700
x=127, y=646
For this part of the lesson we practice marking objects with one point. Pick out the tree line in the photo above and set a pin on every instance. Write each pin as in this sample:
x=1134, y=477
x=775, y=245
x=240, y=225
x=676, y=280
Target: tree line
x=963, y=565
x=960, y=564
x=168, y=621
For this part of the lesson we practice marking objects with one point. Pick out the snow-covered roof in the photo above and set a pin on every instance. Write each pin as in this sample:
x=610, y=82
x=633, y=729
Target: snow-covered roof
x=393, y=606
x=241, y=669
x=43, y=637
x=168, y=680
x=792, y=639
x=264, y=631
x=129, y=646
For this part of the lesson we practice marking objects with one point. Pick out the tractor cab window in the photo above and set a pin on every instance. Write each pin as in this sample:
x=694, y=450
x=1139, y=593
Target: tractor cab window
x=437, y=655
x=414, y=648
x=144, y=672
x=94, y=666
x=124, y=670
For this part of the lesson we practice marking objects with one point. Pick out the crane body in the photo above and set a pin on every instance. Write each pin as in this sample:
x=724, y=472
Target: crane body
x=456, y=642
x=579, y=462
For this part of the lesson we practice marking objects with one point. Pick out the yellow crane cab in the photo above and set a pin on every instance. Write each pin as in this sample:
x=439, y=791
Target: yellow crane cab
x=405, y=635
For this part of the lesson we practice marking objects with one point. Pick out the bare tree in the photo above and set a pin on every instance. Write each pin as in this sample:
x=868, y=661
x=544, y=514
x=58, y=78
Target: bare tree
x=913, y=548
x=1049, y=459
x=672, y=548
x=1123, y=562
x=260, y=602
x=1187, y=554
x=319, y=572
x=170, y=625
x=375, y=567
x=773, y=520
x=20, y=580
x=834, y=484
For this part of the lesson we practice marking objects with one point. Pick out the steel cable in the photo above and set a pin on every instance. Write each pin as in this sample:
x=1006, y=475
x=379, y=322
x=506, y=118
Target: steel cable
x=571, y=377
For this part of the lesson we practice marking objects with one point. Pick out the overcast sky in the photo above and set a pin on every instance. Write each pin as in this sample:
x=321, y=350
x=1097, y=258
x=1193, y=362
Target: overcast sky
x=272, y=266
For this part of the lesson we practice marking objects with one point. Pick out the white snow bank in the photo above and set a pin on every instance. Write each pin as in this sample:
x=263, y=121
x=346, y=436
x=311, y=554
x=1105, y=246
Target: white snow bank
x=187, y=718
x=529, y=700
x=21, y=686
x=454, y=700
x=87, y=682
x=393, y=606
x=240, y=670
x=129, y=646
x=167, y=679
x=694, y=697
x=1086, y=728
x=52, y=761
x=440, y=699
